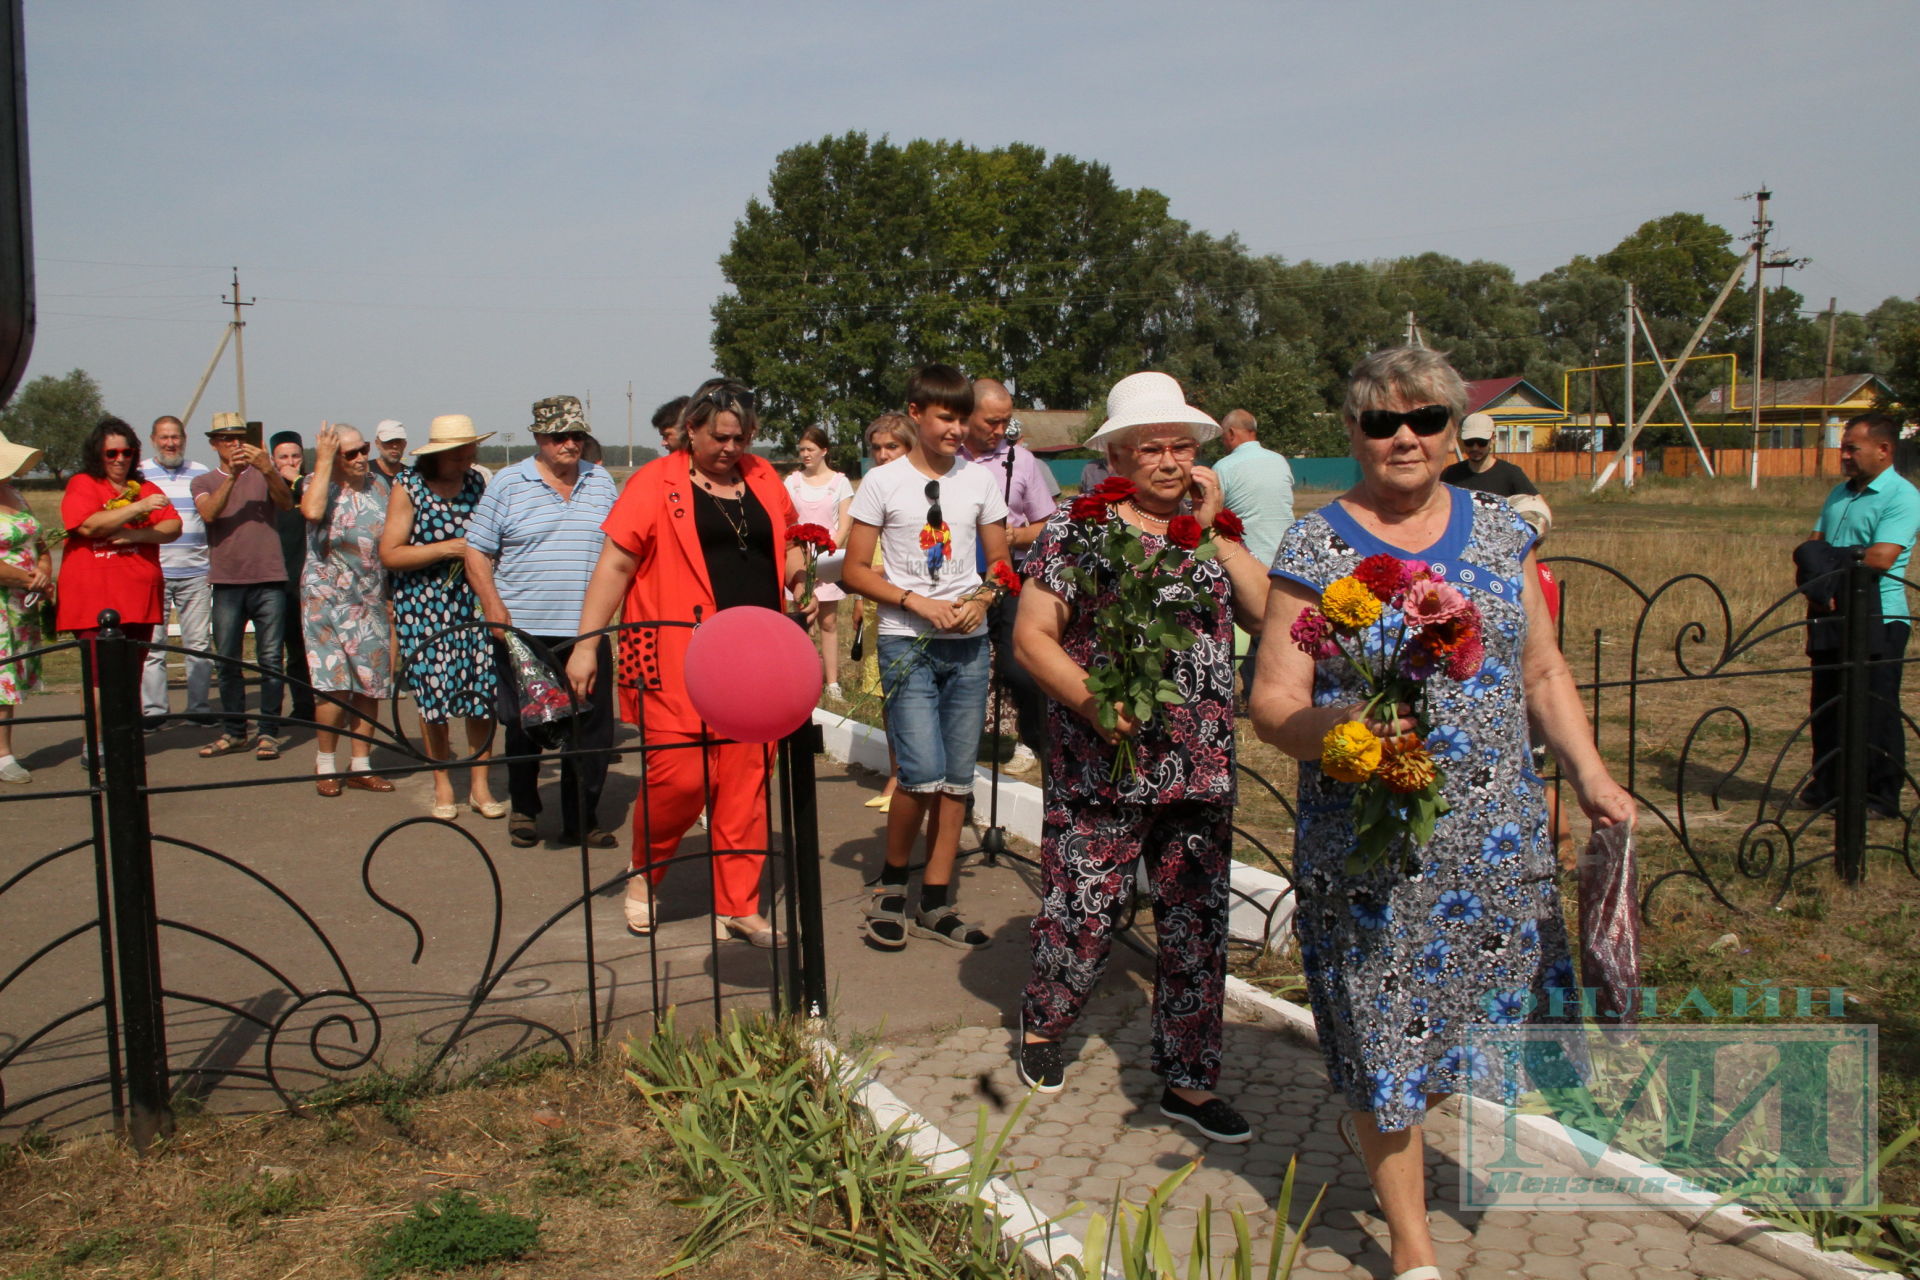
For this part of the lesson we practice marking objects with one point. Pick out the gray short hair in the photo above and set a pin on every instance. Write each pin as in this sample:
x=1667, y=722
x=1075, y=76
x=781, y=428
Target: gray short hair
x=1415, y=375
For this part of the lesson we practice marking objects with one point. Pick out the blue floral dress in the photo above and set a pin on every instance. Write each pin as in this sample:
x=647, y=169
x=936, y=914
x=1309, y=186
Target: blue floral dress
x=343, y=595
x=1397, y=967
x=450, y=675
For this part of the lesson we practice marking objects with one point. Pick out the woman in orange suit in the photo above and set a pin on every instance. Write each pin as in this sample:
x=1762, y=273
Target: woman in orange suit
x=702, y=529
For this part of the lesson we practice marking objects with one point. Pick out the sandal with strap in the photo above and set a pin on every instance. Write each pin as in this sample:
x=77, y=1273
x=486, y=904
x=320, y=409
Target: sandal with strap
x=886, y=923
x=222, y=746
x=944, y=925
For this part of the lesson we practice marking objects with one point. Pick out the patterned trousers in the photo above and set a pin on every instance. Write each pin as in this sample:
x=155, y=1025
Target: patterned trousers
x=1087, y=858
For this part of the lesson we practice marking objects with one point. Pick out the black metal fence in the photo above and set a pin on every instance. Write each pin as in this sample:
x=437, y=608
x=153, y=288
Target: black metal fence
x=143, y=963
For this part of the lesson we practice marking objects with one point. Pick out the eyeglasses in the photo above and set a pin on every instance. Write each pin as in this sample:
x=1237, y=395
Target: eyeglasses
x=1385, y=424
x=729, y=397
x=361, y=452
x=1178, y=450
x=114, y=455
x=934, y=518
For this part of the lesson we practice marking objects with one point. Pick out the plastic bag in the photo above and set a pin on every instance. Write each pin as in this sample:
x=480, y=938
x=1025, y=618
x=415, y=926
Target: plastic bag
x=534, y=696
x=1610, y=923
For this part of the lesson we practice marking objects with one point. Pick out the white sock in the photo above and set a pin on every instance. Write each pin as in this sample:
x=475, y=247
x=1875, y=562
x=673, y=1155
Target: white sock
x=323, y=762
x=6, y=760
x=359, y=764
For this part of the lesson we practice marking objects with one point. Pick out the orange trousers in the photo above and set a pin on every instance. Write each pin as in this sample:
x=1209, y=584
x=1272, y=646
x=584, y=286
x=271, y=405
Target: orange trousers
x=732, y=784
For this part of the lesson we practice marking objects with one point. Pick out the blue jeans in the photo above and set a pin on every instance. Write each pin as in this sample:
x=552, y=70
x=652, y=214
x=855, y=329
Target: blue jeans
x=265, y=605
x=936, y=707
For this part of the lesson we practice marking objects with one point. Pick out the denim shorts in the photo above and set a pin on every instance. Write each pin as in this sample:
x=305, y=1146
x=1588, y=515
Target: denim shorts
x=936, y=707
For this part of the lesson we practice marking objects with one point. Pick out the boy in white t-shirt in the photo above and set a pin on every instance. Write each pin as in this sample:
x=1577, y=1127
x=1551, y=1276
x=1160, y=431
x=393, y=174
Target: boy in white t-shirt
x=925, y=512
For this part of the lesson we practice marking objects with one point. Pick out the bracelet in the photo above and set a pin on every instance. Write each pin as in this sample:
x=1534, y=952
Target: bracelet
x=903, y=599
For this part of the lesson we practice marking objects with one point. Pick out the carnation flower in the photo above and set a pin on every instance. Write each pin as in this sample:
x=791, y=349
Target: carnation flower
x=1385, y=576
x=1184, y=531
x=1228, y=525
x=1007, y=577
x=1405, y=765
x=1349, y=753
x=1348, y=604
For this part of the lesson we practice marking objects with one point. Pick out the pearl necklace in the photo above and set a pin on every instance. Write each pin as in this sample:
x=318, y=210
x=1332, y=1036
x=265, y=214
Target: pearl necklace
x=1145, y=518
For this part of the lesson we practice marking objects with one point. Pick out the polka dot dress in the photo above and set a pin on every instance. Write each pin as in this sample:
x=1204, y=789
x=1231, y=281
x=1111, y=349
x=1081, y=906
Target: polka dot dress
x=450, y=675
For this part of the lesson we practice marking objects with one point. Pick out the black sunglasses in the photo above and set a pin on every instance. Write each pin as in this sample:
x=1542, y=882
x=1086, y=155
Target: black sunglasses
x=1384, y=424
x=361, y=452
x=934, y=518
x=726, y=397
x=565, y=437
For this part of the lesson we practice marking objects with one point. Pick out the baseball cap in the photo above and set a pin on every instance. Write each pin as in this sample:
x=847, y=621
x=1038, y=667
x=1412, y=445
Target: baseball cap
x=389, y=429
x=1476, y=426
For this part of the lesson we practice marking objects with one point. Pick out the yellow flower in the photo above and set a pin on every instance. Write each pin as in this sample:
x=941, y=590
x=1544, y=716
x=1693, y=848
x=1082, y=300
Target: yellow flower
x=1349, y=753
x=1348, y=604
x=1406, y=766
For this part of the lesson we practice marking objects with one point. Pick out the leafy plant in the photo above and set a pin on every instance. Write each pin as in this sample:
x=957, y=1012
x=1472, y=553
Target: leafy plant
x=102, y=1246
x=252, y=1199
x=449, y=1233
x=1132, y=1241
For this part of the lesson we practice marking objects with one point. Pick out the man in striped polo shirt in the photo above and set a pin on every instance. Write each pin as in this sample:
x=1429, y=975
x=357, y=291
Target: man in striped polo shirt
x=531, y=547
x=188, y=593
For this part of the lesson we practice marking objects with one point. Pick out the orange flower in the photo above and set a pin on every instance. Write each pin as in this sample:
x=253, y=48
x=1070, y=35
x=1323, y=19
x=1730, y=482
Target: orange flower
x=1405, y=765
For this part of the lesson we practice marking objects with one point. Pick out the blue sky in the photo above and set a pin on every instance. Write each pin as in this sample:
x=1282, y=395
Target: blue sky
x=465, y=207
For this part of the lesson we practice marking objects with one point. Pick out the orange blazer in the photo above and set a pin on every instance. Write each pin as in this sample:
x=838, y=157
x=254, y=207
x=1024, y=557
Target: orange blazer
x=653, y=520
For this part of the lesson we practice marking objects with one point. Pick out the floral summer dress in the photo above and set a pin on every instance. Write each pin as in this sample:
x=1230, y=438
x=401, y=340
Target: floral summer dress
x=1397, y=968
x=450, y=675
x=19, y=625
x=343, y=591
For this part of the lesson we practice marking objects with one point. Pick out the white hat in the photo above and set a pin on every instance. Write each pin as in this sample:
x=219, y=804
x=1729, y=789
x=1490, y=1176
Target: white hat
x=17, y=458
x=389, y=429
x=1476, y=426
x=450, y=431
x=1150, y=399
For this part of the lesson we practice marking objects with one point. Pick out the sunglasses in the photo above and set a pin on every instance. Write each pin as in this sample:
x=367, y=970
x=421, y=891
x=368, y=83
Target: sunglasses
x=114, y=455
x=1385, y=424
x=934, y=518
x=725, y=397
x=565, y=437
x=361, y=452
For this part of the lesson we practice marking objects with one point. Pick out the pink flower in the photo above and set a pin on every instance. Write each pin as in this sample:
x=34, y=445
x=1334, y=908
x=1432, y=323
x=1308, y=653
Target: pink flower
x=1464, y=662
x=1427, y=601
x=1312, y=634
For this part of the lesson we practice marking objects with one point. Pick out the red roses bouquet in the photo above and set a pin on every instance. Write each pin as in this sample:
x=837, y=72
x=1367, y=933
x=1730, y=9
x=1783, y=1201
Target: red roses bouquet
x=1135, y=633
x=817, y=542
x=1396, y=623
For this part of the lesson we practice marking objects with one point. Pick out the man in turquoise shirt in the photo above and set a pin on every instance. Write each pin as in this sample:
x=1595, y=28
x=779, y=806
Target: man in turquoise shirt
x=1878, y=510
x=1257, y=485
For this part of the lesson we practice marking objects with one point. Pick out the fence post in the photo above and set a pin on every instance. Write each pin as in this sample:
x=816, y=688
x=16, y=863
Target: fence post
x=1856, y=630
x=803, y=842
x=117, y=663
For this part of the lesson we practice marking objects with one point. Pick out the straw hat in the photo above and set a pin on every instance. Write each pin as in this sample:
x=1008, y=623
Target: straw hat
x=1533, y=508
x=227, y=424
x=450, y=431
x=1150, y=399
x=15, y=458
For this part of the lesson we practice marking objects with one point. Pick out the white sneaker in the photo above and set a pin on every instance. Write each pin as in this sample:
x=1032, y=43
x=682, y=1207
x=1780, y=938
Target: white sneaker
x=833, y=691
x=1022, y=760
x=12, y=772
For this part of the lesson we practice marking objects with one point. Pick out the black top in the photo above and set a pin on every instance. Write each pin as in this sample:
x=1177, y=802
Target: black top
x=1501, y=478
x=292, y=527
x=737, y=536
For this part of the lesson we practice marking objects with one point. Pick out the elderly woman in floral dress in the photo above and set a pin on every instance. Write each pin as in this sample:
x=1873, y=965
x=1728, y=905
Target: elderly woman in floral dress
x=1175, y=807
x=1402, y=957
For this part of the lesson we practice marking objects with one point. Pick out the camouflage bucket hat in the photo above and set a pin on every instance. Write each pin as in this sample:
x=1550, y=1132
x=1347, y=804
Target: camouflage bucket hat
x=557, y=415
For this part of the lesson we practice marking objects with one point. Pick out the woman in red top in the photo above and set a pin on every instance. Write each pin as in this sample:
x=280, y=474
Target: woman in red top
x=702, y=529
x=111, y=557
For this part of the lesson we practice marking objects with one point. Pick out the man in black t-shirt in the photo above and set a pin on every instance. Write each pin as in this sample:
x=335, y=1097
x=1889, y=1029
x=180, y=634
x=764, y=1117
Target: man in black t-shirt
x=1481, y=470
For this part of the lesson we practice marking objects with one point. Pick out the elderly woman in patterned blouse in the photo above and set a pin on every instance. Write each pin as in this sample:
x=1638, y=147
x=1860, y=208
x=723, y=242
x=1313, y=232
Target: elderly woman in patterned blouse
x=1401, y=962
x=1176, y=809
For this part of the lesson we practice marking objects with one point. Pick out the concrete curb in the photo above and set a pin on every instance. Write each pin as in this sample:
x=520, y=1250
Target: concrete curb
x=1043, y=1245
x=1731, y=1224
x=1261, y=907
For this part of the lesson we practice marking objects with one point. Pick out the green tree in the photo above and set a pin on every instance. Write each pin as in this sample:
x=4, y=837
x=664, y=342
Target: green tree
x=54, y=415
x=869, y=258
x=1277, y=388
x=1902, y=354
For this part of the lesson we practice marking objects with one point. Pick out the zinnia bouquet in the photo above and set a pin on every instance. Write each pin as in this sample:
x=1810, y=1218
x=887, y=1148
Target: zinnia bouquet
x=1135, y=633
x=817, y=542
x=1396, y=623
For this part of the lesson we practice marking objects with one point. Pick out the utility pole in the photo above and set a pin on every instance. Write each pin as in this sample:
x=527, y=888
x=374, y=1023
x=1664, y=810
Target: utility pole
x=629, y=425
x=1626, y=477
x=239, y=347
x=1826, y=378
x=1760, y=225
x=1414, y=336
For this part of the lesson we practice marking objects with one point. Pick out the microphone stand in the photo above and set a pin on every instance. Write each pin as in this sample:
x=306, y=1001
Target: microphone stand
x=993, y=839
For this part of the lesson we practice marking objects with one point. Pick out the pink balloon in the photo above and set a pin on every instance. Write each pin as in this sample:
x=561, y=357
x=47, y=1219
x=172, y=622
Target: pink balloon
x=752, y=674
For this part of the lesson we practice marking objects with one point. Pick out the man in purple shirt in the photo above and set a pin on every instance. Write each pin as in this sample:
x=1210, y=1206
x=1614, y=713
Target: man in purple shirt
x=1029, y=488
